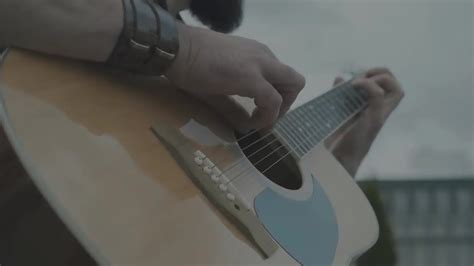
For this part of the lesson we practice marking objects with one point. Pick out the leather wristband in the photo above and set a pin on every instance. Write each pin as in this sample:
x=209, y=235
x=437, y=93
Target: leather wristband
x=148, y=43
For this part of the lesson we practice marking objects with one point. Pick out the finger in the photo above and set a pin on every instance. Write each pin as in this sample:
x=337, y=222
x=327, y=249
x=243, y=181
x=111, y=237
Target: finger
x=390, y=85
x=230, y=109
x=287, y=100
x=260, y=48
x=268, y=102
x=289, y=95
x=343, y=130
x=378, y=71
x=269, y=52
x=287, y=81
x=281, y=74
x=375, y=94
x=338, y=81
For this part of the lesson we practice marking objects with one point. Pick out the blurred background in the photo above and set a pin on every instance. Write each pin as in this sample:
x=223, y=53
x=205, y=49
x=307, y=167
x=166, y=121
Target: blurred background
x=428, y=44
x=419, y=175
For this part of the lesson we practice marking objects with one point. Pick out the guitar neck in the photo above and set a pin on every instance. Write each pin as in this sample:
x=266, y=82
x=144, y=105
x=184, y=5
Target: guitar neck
x=306, y=126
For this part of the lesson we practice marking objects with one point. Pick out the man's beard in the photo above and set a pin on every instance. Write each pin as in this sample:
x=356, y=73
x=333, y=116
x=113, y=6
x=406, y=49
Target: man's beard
x=219, y=15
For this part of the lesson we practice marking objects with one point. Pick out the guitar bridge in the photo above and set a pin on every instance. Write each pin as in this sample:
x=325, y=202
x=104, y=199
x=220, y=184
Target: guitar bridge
x=216, y=185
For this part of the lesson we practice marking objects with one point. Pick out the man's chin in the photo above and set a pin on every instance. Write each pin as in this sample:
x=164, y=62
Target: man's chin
x=220, y=15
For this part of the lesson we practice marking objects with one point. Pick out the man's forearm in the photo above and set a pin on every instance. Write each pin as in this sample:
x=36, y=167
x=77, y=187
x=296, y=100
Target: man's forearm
x=83, y=29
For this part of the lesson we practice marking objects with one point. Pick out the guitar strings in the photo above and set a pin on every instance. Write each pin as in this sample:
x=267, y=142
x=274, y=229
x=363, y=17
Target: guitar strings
x=224, y=171
x=261, y=138
x=270, y=132
x=248, y=134
x=265, y=136
x=291, y=149
x=251, y=132
x=305, y=141
x=253, y=153
x=299, y=144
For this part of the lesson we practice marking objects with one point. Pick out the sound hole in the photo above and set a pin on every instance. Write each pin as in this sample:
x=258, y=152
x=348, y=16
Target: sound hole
x=271, y=158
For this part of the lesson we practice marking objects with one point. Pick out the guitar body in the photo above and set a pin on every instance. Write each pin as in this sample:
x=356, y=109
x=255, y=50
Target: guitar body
x=116, y=157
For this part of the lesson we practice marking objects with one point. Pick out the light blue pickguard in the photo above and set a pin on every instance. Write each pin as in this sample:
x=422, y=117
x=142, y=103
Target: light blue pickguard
x=307, y=230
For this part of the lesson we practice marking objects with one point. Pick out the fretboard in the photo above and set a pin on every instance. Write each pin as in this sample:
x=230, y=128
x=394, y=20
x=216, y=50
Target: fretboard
x=306, y=126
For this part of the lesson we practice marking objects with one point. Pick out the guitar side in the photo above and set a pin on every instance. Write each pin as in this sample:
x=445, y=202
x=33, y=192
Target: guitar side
x=84, y=135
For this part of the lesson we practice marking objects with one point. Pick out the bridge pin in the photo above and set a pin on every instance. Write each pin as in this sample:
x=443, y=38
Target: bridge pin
x=198, y=161
x=208, y=162
x=216, y=171
x=199, y=154
x=230, y=196
x=215, y=178
x=207, y=170
x=223, y=187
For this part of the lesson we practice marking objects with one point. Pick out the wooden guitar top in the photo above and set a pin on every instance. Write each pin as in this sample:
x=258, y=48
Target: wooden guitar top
x=84, y=135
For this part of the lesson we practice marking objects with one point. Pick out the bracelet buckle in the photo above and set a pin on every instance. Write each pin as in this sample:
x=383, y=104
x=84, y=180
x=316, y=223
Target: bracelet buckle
x=163, y=54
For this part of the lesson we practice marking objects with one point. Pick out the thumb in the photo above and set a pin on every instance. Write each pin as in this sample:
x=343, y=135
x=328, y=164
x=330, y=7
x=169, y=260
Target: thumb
x=339, y=80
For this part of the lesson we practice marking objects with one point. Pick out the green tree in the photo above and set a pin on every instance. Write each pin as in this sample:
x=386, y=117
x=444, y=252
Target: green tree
x=383, y=253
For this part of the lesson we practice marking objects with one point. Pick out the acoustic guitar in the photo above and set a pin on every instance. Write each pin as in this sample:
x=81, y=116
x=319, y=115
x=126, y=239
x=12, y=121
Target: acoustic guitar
x=143, y=174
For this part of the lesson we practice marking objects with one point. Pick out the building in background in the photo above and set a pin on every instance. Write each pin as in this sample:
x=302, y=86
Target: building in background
x=432, y=221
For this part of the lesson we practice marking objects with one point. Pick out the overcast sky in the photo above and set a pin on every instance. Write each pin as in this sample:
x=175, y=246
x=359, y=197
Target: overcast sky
x=428, y=45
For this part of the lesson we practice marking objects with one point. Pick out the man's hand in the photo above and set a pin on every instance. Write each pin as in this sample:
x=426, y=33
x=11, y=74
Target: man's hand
x=213, y=66
x=351, y=143
x=209, y=65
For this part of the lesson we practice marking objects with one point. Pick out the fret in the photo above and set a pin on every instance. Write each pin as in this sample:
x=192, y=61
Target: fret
x=283, y=136
x=328, y=119
x=311, y=120
x=304, y=129
x=295, y=125
x=342, y=107
x=361, y=96
x=322, y=120
x=348, y=111
x=306, y=126
x=292, y=142
x=350, y=95
x=335, y=110
x=299, y=125
x=304, y=119
x=312, y=126
x=307, y=143
x=355, y=97
x=278, y=128
x=291, y=127
x=308, y=130
x=286, y=134
x=281, y=133
x=317, y=118
x=349, y=101
x=342, y=112
x=323, y=108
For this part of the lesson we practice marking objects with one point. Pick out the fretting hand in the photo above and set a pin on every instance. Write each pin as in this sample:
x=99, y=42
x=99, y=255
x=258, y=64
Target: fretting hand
x=351, y=143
